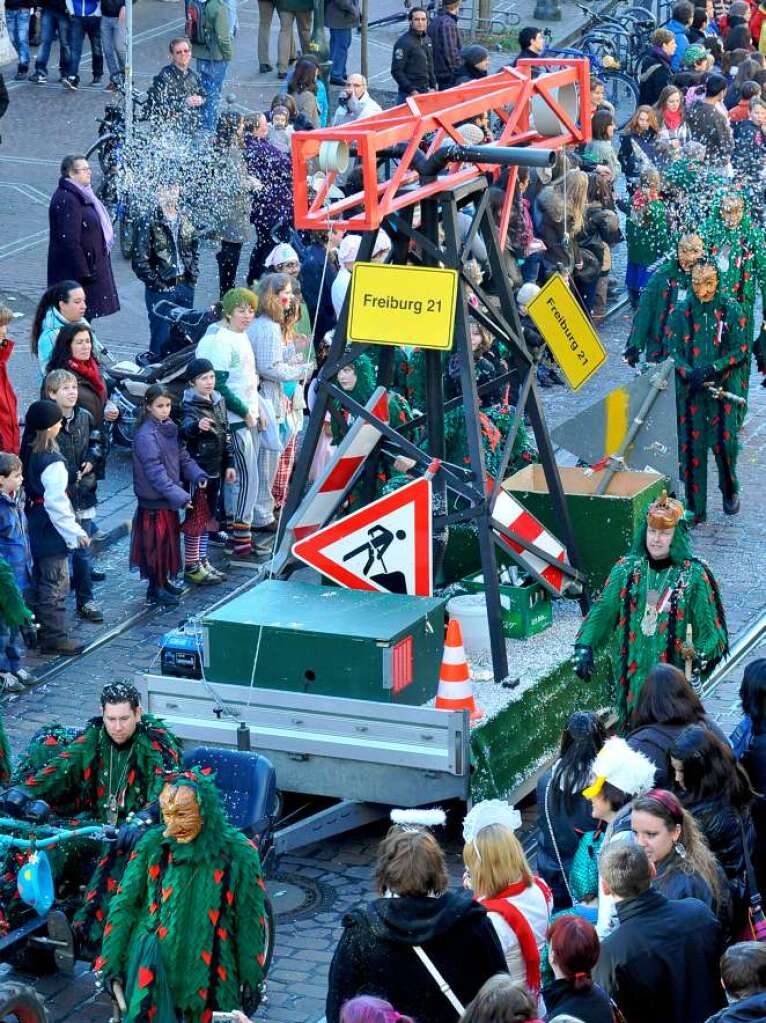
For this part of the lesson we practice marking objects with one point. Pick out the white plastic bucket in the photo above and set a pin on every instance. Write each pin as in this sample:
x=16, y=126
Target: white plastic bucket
x=470, y=609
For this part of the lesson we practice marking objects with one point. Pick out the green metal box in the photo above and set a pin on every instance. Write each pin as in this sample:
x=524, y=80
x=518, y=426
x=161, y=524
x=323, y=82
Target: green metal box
x=327, y=640
x=604, y=525
x=526, y=610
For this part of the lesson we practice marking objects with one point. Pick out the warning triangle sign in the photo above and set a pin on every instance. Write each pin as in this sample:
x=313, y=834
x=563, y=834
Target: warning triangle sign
x=385, y=546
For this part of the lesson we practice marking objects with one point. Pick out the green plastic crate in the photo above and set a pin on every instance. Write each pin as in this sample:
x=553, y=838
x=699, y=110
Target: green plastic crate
x=526, y=610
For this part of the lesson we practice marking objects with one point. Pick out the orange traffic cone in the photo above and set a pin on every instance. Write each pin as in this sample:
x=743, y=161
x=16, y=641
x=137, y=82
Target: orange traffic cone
x=455, y=690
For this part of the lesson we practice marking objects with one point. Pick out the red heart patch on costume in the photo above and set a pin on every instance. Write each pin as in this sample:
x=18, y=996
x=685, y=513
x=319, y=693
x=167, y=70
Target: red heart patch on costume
x=145, y=977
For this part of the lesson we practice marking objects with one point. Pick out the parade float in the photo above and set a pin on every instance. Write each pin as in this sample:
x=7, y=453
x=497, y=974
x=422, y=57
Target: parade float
x=335, y=679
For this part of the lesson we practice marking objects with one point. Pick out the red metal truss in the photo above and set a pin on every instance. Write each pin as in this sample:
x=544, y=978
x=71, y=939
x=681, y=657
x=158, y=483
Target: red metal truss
x=508, y=94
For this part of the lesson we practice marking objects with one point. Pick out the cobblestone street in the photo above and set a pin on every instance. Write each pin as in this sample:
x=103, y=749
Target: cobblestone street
x=313, y=888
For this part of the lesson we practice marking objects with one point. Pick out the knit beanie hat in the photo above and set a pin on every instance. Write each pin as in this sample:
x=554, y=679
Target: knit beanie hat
x=526, y=293
x=238, y=297
x=693, y=54
x=473, y=55
x=41, y=415
x=197, y=367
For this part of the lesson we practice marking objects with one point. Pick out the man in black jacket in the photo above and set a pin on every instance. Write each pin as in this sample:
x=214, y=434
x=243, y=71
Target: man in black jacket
x=166, y=261
x=661, y=962
x=654, y=70
x=176, y=96
x=412, y=62
x=532, y=43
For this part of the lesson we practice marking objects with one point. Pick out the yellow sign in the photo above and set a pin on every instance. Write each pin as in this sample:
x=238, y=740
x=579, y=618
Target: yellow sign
x=568, y=331
x=402, y=305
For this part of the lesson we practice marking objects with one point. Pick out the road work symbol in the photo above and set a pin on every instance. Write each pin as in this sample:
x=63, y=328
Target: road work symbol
x=379, y=542
x=385, y=546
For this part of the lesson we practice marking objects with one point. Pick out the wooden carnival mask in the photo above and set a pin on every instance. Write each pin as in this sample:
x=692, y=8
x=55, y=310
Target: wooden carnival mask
x=705, y=282
x=180, y=812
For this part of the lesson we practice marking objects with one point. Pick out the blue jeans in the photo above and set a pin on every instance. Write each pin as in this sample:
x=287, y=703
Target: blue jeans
x=530, y=268
x=18, y=30
x=53, y=24
x=79, y=28
x=212, y=74
x=82, y=562
x=11, y=648
x=113, y=45
x=159, y=329
x=340, y=44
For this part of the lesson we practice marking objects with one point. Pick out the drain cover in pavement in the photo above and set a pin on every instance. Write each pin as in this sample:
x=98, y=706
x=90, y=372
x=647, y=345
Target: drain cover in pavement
x=294, y=897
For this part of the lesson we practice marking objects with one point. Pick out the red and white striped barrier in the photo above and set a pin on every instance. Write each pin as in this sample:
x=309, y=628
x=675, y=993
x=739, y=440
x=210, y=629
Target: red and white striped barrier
x=509, y=517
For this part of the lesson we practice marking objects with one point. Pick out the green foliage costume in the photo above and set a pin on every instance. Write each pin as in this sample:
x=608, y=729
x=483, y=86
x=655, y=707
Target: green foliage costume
x=669, y=285
x=88, y=779
x=186, y=928
x=739, y=252
x=707, y=340
x=619, y=622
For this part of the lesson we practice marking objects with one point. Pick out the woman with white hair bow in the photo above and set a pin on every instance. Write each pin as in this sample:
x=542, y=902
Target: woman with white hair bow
x=519, y=903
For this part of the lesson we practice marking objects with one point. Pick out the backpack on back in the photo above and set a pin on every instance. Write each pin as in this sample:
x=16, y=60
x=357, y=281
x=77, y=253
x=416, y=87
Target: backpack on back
x=195, y=23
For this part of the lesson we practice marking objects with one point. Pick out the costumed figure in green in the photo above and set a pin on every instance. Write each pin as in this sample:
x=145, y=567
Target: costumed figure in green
x=660, y=604
x=109, y=773
x=668, y=287
x=646, y=232
x=707, y=338
x=738, y=248
x=358, y=380
x=185, y=935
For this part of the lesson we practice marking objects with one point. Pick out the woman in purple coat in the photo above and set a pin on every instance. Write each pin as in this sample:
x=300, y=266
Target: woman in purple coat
x=81, y=238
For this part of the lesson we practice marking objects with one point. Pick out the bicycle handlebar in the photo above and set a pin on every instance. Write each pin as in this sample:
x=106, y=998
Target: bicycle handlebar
x=104, y=831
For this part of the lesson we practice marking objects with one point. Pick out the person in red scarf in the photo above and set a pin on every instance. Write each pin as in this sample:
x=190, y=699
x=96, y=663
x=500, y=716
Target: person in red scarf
x=10, y=436
x=519, y=904
x=73, y=351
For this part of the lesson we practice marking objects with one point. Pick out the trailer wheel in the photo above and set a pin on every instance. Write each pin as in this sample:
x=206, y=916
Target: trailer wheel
x=269, y=934
x=20, y=1004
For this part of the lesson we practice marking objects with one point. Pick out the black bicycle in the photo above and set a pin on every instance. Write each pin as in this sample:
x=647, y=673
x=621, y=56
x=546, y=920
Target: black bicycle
x=108, y=149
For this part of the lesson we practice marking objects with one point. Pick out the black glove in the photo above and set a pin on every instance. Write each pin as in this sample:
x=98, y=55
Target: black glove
x=632, y=355
x=584, y=662
x=700, y=376
x=136, y=827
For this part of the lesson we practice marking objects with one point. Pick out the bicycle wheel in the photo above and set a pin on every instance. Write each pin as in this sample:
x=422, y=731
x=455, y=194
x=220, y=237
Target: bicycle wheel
x=606, y=48
x=622, y=92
